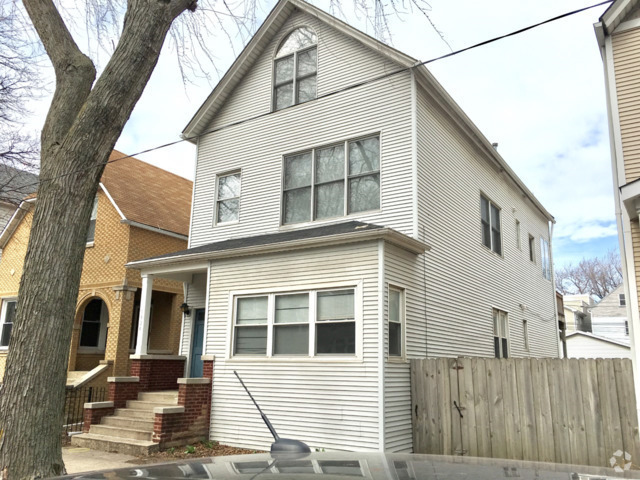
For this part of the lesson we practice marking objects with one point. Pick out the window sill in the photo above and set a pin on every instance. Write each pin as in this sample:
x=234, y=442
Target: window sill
x=91, y=350
x=4, y=350
x=89, y=245
x=499, y=255
x=296, y=359
x=226, y=224
x=327, y=221
x=400, y=360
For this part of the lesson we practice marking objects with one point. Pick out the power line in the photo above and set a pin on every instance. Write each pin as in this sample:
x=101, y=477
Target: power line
x=329, y=94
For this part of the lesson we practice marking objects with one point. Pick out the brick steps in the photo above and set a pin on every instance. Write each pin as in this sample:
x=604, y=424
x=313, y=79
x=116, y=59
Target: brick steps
x=104, y=443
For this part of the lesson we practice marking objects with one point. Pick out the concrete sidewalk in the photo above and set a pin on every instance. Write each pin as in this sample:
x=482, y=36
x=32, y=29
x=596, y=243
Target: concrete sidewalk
x=85, y=460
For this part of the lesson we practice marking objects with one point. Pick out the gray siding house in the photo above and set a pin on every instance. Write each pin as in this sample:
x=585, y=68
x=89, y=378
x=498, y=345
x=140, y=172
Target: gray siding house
x=347, y=217
x=609, y=317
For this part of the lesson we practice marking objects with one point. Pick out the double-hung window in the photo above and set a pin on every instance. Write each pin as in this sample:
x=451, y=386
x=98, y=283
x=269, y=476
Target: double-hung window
x=621, y=300
x=500, y=333
x=8, y=317
x=490, y=220
x=91, y=234
x=544, y=253
x=332, y=181
x=532, y=249
x=396, y=322
x=302, y=323
x=295, y=69
x=228, y=198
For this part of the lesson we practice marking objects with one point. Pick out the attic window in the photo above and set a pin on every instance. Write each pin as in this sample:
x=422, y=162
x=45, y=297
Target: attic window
x=295, y=69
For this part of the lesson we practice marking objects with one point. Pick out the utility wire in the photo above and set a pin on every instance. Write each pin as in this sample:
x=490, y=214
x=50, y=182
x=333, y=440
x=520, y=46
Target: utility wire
x=329, y=94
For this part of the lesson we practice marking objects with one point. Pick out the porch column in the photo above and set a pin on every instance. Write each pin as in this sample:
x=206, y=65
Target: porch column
x=145, y=311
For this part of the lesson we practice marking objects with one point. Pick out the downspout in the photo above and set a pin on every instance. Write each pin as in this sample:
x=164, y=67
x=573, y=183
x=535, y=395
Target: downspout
x=381, y=345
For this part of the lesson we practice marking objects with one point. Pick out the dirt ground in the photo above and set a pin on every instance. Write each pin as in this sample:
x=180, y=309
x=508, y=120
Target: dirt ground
x=198, y=450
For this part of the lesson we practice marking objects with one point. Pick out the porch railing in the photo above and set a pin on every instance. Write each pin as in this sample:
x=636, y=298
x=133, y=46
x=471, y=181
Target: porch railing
x=75, y=398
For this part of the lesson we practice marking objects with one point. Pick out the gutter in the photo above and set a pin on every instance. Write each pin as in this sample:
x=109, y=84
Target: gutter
x=144, y=226
x=392, y=236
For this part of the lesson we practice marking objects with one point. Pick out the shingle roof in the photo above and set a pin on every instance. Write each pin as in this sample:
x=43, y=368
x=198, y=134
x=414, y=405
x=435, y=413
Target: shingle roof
x=16, y=184
x=147, y=194
x=274, y=238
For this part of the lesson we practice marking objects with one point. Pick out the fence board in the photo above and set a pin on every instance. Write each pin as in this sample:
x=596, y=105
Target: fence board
x=467, y=397
x=432, y=407
x=496, y=409
x=483, y=431
x=417, y=404
x=628, y=414
x=592, y=413
x=527, y=409
x=456, y=425
x=511, y=410
x=559, y=415
x=444, y=393
x=575, y=415
x=609, y=407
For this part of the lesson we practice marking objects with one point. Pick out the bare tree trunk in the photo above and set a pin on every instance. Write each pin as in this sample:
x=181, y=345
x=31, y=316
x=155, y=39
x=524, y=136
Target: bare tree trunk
x=82, y=127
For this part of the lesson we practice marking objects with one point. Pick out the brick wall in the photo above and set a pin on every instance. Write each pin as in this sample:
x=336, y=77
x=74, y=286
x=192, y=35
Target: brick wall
x=120, y=392
x=93, y=416
x=157, y=374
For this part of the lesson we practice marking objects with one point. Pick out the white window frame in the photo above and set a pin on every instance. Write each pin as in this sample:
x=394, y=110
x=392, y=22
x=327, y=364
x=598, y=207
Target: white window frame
x=402, y=322
x=3, y=317
x=94, y=218
x=622, y=302
x=102, y=336
x=544, y=260
x=296, y=79
x=492, y=225
x=500, y=334
x=532, y=249
x=312, y=356
x=346, y=178
x=216, y=221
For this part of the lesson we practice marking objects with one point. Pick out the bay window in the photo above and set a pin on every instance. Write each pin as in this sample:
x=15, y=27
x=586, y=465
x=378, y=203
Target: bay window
x=332, y=181
x=311, y=323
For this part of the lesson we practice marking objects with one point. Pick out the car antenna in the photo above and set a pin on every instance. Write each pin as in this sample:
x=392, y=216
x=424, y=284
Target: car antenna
x=281, y=445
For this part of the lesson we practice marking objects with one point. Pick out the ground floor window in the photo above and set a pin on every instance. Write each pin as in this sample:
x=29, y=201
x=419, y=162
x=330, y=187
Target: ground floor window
x=396, y=322
x=93, y=333
x=6, y=320
x=500, y=333
x=317, y=322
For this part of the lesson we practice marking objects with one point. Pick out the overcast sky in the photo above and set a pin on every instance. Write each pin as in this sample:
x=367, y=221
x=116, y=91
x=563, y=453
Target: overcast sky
x=540, y=95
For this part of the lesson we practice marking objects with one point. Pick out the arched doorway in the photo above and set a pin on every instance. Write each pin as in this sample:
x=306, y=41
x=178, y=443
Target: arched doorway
x=93, y=334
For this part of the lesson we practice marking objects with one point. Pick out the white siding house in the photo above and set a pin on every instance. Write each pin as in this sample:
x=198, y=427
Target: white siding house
x=344, y=235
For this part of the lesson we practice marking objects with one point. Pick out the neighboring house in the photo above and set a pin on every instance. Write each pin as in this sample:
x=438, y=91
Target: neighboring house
x=562, y=323
x=589, y=345
x=609, y=316
x=15, y=186
x=618, y=36
x=345, y=220
x=140, y=210
x=576, y=312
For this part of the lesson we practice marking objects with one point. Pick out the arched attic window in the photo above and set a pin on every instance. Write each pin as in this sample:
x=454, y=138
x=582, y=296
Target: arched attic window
x=295, y=69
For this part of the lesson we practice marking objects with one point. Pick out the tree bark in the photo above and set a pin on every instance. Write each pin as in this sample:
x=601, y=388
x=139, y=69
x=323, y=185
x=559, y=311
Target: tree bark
x=81, y=129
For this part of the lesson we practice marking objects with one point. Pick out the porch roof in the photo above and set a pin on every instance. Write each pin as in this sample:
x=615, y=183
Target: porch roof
x=299, y=238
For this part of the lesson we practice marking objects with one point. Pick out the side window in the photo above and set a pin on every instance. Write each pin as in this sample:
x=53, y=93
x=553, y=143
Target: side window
x=228, y=198
x=490, y=220
x=8, y=317
x=91, y=234
x=518, y=241
x=544, y=253
x=621, y=300
x=251, y=326
x=532, y=249
x=500, y=333
x=295, y=69
x=94, y=325
x=396, y=322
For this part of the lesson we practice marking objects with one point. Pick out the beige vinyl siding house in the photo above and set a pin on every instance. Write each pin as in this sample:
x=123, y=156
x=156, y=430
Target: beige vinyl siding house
x=397, y=270
x=589, y=345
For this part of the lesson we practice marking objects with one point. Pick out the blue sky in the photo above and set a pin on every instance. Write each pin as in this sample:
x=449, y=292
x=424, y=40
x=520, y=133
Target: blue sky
x=540, y=95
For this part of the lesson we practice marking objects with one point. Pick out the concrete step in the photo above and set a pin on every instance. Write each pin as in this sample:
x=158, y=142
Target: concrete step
x=120, y=432
x=129, y=422
x=133, y=413
x=74, y=375
x=168, y=397
x=110, y=444
x=140, y=405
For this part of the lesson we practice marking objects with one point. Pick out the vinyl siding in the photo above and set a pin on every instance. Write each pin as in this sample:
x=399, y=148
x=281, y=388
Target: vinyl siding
x=404, y=270
x=327, y=404
x=196, y=298
x=609, y=306
x=257, y=147
x=579, y=346
x=626, y=59
x=464, y=280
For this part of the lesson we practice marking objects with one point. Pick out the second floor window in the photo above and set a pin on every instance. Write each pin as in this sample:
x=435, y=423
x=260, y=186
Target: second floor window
x=332, y=181
x=228, y=198
x=490, y=219
x=91, y=234
x=295, y=69
x=544, y=253
x=8, y=317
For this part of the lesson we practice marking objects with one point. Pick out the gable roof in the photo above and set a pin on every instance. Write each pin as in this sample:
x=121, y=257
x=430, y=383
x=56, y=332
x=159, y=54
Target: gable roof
x=145, y=194
x=16, y=184
x=616, y=13
x=270, y=27
x=598, y=338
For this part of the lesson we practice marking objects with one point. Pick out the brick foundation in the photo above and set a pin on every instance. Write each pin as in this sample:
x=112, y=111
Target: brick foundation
x=194, y=397
x=122, y=389
x=93, y=413
x=207, y=369
x=157, y=374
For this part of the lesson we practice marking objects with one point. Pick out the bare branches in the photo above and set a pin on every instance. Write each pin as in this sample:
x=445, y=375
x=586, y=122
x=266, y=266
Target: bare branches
x=595, y=276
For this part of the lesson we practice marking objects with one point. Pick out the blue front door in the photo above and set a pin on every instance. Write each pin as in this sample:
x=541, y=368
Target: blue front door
x=196, y=344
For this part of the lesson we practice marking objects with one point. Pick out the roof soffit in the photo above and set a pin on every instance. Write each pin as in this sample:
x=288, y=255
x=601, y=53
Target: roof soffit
x=617, y=13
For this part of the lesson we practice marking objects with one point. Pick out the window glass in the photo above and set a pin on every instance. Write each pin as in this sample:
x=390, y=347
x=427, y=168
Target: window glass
x=486, y=223
x=284, y=96
x=7, y=324
x=329, y=200
x=335, y=305
x=251, y=326
x=284, y=70
x=490, y=221
x=307, y=62
x=496, y=242
x=228, y=201
x=297, y=171
x=364, y=193
x=331, y=337
x=500, y=333
x=364, y=156
x=306, y=89
x=252, y=310
x=291, y=338
x=395, y=322
x=91, y=234
x=330, y=164
x=544, y=253
x=622, y=300
x=297, y=206
x=91, y=323
x=518, y=234
x=299, y=39
x=532, y=249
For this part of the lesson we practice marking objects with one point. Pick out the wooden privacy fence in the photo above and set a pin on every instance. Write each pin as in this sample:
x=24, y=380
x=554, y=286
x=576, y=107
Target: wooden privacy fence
x=577, y=411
